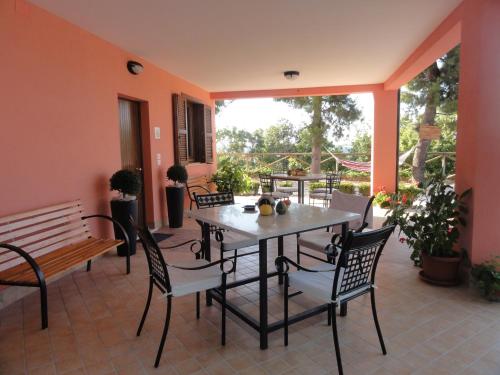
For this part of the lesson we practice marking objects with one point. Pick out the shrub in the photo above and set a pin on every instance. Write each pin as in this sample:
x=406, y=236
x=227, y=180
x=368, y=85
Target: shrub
x=178, y=174
x=126, y=181
x=230, y=176
x=486, y=276
x=286, y=184
x=411, y=191
x=316, y=185
x=364, y=188
x=346, y=187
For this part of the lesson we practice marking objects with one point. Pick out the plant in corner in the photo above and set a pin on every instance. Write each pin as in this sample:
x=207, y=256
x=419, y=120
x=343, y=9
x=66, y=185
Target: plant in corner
x=431, y=226
x=178, y=176
x=486, y=276
x=129, y=184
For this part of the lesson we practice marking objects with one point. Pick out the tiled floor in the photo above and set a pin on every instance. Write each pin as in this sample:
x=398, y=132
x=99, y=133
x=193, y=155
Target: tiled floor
x=93, y=318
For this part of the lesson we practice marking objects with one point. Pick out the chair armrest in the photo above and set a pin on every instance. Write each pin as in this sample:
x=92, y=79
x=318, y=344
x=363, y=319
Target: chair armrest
x=122, y=229
x=208, y=265
x=284, y=261
x=36, y=268
x=194, y=242
x=189, y=187
x=360, y=229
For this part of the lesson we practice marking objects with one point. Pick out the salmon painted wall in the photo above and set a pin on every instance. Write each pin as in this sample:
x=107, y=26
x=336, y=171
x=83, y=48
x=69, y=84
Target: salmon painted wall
x=59, y=88
x=478, y=136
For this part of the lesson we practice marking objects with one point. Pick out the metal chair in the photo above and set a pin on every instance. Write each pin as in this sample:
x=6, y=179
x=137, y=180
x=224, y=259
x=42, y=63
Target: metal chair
x=320, y=241
x=353, y=276
x=332, y=183
x=225, y=240
x=179, y=280
x=290, y=190
x=267, y=185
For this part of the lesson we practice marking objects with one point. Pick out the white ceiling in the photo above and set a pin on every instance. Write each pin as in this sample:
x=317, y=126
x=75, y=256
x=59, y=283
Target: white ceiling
x=227, y=45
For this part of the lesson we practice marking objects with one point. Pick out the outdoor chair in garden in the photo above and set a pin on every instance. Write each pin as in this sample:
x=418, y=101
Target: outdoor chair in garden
x=267, y=184
x=352, y=277
x=332, y=183
x=179, y=280
x=220, y=238
x=290, y=190
x=320, y=240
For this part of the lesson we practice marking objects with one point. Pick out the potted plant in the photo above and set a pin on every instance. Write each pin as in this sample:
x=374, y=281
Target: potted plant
x=128, y=183
x=177, y=175
x=486, y=276
x=431, y=225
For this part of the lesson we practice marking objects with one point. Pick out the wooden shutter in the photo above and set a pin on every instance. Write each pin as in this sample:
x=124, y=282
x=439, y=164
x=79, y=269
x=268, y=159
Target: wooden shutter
x=209, y=152
x=180, y=129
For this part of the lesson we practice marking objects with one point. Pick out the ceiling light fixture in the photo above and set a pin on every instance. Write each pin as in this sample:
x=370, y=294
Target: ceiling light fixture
x=134, y=67
x=291, y=74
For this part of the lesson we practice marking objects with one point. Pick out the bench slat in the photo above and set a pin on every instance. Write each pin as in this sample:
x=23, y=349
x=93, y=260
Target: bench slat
x=40, y=211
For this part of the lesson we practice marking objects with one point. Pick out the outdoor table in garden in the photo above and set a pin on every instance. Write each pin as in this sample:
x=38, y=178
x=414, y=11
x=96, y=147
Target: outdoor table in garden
x=300, y=181
x=299, y=218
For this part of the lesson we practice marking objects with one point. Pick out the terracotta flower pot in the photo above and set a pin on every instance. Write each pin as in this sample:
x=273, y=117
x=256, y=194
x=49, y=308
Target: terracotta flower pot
x=440, y=270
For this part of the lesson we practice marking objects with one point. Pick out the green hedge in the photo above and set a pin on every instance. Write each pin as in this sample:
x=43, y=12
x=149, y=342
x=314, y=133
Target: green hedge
x=364, y=188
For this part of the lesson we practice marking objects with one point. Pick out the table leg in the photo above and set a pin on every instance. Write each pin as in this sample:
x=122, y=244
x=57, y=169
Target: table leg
x=301, y=191
x=263, y=293
x=207, y=254
x=343, y=306
x=280, y=253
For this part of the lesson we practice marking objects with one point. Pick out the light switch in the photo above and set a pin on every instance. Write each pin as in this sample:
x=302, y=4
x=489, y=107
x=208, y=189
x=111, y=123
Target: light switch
x=157, y=132
x=158, y=159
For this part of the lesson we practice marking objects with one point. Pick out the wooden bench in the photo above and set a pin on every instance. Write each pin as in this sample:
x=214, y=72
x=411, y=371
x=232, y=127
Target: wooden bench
x=38, y=245
x=199, y=185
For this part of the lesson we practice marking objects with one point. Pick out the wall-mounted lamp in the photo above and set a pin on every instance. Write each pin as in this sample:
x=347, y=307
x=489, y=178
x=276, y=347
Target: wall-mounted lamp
x=134, y=67
x=291, y=74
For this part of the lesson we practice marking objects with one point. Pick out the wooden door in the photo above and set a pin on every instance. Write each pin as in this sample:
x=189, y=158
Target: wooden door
x=131, y=143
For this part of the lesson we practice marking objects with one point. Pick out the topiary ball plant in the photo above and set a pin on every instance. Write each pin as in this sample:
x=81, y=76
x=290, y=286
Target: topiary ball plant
x=178, y=174
x=126, y=181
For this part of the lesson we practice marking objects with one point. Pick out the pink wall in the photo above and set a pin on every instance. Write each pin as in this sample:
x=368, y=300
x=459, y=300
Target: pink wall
x=384, y=145
x=59, y=125
x=478, y=138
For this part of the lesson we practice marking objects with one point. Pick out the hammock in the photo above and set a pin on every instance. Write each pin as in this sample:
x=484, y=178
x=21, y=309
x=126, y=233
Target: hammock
x=366, y=166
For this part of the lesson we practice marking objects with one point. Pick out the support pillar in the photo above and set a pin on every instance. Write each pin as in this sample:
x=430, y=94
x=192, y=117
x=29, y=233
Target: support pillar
x=478, y=129
x=385, y=139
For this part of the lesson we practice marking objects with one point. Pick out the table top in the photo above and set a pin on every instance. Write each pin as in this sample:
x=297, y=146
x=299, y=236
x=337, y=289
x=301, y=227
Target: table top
x=307, y=177
x=299, y=218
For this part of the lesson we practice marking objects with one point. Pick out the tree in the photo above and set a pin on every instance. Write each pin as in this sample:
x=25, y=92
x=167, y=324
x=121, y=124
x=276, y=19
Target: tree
x=328, y=114
x=362, y=144
x=220, y=104
x=434, y=91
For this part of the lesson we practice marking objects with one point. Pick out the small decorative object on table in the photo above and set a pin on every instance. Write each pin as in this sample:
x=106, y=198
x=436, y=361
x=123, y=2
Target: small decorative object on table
x=177, y=174
x=266, y=205
x=281, y=208
x=129, y=184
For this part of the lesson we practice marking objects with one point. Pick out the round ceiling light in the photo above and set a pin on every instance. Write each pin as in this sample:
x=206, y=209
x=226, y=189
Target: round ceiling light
x=134, y=67
x=291, y=74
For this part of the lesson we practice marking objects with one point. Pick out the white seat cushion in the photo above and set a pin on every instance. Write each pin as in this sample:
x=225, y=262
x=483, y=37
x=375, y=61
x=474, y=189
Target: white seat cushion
x=324, y=196
x=185, y=282
x=287, y=189
x=315, y=240
x=233, y=241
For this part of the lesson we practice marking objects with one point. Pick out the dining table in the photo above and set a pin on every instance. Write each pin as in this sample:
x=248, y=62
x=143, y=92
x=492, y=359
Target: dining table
x=298, y=218
x=301, y=179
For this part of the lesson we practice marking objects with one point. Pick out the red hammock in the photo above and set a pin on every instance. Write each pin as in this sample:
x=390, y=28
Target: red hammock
x=361, y=166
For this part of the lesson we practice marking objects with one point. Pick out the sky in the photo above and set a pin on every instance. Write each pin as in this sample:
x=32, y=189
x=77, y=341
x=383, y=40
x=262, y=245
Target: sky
x=252, y=114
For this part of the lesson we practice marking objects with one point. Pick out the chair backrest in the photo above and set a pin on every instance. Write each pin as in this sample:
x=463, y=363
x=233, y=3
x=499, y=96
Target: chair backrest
x=358, y=262
x=266, y=183
x=214, y=199
x=354, y=203
x=333, y=181
x=156, y=263
x=198, y=185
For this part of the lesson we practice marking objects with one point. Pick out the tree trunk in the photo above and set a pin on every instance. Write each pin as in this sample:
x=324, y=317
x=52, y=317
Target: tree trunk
x=431, y=102
x=316, y=135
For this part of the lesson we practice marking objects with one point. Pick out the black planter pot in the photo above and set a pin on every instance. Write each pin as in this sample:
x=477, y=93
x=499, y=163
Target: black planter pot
x=121, y=211
x=175, y=205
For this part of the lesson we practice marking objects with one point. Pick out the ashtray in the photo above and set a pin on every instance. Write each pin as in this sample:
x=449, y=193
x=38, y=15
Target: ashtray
x=249, y=208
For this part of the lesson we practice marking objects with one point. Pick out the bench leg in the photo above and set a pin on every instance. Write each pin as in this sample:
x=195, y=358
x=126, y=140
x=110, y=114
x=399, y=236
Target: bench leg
x=89, y=265
x=43, y=304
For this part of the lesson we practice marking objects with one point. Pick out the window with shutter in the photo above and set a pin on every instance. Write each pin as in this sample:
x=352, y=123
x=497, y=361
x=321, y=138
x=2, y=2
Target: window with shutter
x=209, y=154
x=180, y=129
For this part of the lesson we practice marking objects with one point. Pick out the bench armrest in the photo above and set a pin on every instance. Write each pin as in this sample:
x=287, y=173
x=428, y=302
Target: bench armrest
x=122, y=230
x=38, y=272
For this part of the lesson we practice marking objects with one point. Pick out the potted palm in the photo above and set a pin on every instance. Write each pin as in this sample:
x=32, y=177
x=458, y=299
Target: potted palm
x=128, y=183
x=177, y=175
x=431, y=227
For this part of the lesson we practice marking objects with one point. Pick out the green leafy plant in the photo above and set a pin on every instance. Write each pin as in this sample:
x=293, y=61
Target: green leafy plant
x=347, y=187
x=231, y=176
x=255, y=185
x=286, y=184
x=126, y=181
x=316, y=185
x=486, y=276
x=431, y=222
x=364, y=188
x=178, y=174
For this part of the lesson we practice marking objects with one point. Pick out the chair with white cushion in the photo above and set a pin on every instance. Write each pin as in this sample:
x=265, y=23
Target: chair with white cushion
x=179, y=280
x=290, y=190
x=320, y=241
x=352, y=277
x=223, y=239
x=267, y=185
x=332, y=183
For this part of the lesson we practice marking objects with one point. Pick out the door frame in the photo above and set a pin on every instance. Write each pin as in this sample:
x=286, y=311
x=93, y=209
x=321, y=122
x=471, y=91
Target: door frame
x=144, y=127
